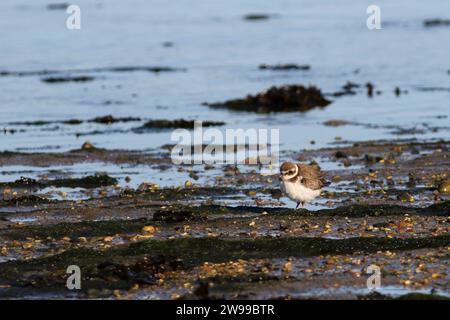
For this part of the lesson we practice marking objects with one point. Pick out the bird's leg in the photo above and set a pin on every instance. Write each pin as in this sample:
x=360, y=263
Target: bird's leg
x=300, y=203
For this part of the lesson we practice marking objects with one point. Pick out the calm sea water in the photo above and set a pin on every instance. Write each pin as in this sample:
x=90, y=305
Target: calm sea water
x=221, y=53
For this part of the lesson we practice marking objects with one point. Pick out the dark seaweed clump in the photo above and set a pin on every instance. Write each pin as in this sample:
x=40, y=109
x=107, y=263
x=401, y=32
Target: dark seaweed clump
x=95, y=181
x=436, y=22
x=256, y=16
x=281, y=67
x=278, y=99
x=174, y=124
x=67, y=79
x=101, y=180
x=109, y=119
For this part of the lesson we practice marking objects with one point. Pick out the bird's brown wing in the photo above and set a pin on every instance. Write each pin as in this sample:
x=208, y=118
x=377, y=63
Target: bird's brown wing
x=312, y=177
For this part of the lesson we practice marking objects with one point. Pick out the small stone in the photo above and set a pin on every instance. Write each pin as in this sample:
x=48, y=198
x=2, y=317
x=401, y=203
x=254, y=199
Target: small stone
x=287, y=267
x=336, y=178
x=174, y=296
x=87, y=146
x=4, y=251
x=27, y=245
x=340, y=154
x=444, y=187
x=347, y=163
x=149, y=229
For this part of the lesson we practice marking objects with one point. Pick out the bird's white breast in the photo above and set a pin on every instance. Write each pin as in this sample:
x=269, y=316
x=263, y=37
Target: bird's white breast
x=298, y=192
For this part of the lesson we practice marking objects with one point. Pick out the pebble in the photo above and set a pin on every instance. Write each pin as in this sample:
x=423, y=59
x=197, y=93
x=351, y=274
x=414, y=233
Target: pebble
x=444, y=187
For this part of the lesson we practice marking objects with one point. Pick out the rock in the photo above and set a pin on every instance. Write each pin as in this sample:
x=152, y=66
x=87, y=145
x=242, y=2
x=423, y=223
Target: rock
x=109, y=119
x=346, y=163
x=87, y=182
x=87, y=146
x=148, y=187
x=148, y=229
x=281, y=67
x=340, y=154
x=170, y=215
x=444, y=187
x=25, y=181
x=336, y=123
x=405, y=197
x=278, y=99
x=287, y=267
x=411, y=180
x=371, y=159
x=146, y=271
x=193, y=175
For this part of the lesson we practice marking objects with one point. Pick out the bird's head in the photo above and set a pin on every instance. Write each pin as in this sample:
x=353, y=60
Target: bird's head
x=288, y=170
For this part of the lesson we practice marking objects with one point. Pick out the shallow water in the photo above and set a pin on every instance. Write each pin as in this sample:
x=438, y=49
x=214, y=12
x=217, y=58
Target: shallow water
x=221, y=53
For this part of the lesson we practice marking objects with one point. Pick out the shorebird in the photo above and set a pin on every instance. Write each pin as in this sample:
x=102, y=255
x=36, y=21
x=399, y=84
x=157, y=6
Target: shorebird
x=301, y=182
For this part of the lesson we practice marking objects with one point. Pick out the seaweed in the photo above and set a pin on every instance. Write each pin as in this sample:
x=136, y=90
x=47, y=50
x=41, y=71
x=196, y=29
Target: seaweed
x=278, y=99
